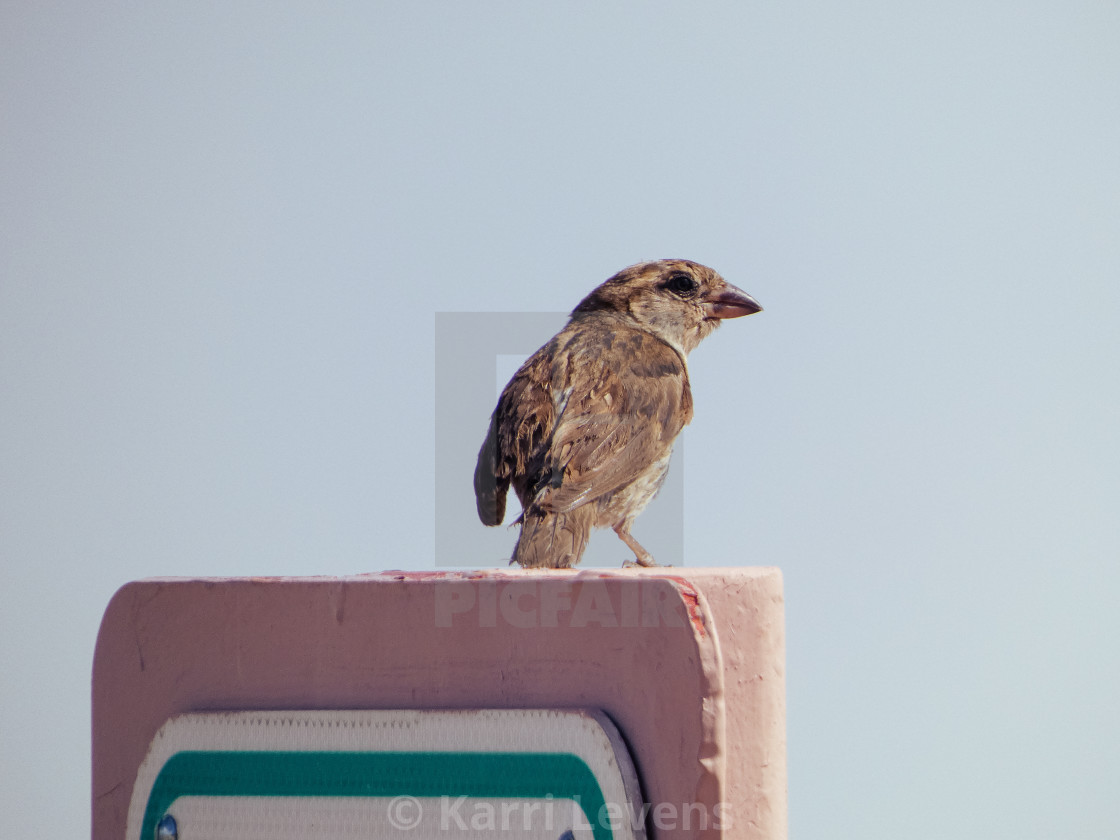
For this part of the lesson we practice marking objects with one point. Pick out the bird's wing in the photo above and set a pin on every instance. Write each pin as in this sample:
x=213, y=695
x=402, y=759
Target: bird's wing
x=626, y=401
x=490, y=488
x=520, y=426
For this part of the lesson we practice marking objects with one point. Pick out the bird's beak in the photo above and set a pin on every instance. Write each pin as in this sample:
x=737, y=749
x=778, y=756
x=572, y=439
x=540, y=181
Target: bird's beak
x=730, y=302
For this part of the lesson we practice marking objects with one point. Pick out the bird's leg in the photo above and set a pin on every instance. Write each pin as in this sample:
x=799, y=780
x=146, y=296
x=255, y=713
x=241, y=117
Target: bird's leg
x=642, y=557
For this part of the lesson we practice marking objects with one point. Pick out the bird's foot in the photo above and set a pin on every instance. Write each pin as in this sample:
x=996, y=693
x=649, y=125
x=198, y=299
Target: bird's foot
x=641, y=556
x=646, y=562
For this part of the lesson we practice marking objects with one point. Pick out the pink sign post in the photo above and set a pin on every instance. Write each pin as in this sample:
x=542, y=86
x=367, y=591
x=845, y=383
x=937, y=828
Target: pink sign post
x=679, y=672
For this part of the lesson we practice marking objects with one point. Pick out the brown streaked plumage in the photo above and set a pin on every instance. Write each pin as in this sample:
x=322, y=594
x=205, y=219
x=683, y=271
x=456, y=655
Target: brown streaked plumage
x=584, y=430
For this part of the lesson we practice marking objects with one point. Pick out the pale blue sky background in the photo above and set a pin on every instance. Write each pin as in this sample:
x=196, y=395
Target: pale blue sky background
x=225, y=229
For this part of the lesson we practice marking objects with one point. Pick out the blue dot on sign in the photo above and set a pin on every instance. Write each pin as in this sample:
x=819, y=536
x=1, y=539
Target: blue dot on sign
x=568, y=835
x=167, y=828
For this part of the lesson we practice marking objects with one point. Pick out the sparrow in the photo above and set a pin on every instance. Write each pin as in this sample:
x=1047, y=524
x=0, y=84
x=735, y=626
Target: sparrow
x=584, y=429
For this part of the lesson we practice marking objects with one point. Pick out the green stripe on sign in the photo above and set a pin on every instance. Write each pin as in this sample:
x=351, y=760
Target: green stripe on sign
x=419, y=774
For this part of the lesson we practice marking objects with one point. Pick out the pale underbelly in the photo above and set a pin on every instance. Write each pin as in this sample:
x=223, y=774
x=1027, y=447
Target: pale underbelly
x=624, y=504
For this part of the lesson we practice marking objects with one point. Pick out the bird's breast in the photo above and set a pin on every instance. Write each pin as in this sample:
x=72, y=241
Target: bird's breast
x=624, y=504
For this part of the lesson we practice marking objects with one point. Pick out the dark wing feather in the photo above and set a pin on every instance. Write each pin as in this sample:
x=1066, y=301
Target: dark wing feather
x=516, y=441
x=490, y=489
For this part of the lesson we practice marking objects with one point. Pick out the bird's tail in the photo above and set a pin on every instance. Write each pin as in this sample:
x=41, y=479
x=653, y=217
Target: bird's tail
x=553, y=540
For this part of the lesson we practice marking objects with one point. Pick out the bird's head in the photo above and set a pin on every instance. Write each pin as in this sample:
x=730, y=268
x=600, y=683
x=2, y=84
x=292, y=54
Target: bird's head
x=679, y=301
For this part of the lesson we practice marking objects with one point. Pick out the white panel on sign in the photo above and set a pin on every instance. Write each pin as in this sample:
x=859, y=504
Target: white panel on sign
x=536, y=774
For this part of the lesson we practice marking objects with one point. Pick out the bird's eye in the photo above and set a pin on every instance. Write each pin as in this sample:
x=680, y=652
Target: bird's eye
x=682, y=285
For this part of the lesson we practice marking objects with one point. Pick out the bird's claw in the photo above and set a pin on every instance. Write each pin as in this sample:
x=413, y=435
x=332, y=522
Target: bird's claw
x=644, y=563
